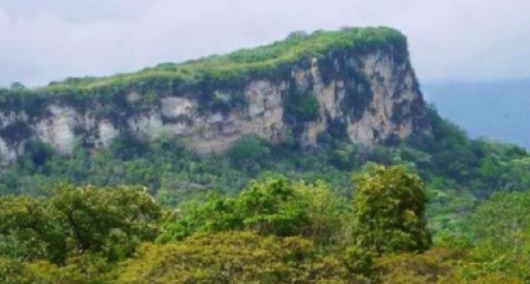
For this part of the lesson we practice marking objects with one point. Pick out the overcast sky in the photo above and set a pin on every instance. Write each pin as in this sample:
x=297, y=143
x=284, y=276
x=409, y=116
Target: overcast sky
x=44, y=40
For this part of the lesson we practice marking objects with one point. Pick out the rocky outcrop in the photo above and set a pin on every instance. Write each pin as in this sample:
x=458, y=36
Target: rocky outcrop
x=367, y=97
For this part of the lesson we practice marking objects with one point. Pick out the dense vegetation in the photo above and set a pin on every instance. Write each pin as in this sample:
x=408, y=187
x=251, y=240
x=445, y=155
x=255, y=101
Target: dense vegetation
x=201, y=78
x=438, y=207
x=275, y=231
x=251, y=63
x=232, y=218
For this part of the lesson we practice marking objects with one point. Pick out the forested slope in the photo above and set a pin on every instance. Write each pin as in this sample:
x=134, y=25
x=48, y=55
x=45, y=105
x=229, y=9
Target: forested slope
x=432, y=206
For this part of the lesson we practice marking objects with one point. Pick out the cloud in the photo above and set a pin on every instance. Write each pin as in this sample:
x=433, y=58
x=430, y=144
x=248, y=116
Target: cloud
x=42, y=41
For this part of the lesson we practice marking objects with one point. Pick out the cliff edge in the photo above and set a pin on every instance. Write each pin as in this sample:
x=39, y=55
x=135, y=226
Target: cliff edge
x=355, y=84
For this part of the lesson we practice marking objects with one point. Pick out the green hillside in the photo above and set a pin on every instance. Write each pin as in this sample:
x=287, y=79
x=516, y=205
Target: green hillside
x=437, y=207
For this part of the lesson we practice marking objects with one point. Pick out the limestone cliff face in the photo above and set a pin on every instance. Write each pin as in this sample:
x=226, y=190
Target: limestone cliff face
x=366, y=97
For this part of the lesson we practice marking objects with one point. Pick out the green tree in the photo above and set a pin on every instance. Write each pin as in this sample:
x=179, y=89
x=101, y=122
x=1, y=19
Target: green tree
x=74, y=221
x=300, y=106
x=214, y=214
x=110, y=221
x=233, y=257
x=325, y=213
x=432, y=266
x=28, y=230
x=389, y=207
x=501, y=228
x=17, y=86
x=272, y=206
x=248, y=152
x=14, y=271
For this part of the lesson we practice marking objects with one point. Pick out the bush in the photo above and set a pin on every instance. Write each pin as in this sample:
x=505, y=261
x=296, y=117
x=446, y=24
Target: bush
x=232, y=257
x=74, y=221
x=249, y=152
x=389, y=206
x=273, y=206
x=300, y=107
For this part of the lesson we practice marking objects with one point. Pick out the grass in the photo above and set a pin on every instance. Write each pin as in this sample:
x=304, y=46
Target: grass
x=200, y=78
x=246, y=63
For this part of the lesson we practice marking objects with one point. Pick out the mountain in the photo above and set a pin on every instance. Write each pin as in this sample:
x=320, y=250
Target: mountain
x=356, y=83
x=324, y=165
x=495, y=110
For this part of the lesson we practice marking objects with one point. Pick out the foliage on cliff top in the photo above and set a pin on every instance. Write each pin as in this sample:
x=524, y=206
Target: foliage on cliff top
x=251, y=62
x=240, y=65
x=202, y=77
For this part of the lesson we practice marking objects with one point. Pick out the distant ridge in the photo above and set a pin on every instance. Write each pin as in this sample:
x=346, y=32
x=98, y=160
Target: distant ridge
x=496, y=110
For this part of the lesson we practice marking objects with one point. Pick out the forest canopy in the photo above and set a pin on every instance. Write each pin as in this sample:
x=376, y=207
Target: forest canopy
x=275, y=231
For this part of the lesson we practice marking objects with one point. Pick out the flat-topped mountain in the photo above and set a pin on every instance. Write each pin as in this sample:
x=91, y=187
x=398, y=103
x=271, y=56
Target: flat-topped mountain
x=355, y=84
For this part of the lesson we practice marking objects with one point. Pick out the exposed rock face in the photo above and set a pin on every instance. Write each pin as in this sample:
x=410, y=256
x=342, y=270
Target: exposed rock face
x=367, y=98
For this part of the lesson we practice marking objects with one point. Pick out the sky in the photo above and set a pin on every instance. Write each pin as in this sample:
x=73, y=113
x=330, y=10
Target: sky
x=449, y=40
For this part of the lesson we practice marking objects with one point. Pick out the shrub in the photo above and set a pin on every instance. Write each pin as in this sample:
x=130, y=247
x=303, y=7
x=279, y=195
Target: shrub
x=232, y=257
x=389, y=206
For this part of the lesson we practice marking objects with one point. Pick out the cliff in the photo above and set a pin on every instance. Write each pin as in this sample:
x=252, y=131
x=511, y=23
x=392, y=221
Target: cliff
x=355, y=84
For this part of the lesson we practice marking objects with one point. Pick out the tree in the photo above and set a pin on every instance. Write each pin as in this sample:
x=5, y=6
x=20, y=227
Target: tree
x=233, y=257
x=300, y=106
x=433, y=266
x=17, y=86
x=269, y=207
x=248, y=151
x=389, y=207
x=74, y=221
x=14, y=271
x=501, y=227
x=28, y=230
x=297, y=35
x=110, y=221
x=325, y=214
x=272, y=207
x=214, y=214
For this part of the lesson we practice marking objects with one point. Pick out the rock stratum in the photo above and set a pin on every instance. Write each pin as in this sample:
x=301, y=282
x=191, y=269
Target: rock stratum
x=355, y=84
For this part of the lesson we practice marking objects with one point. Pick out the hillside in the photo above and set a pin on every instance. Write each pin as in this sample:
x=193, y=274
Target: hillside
x=313, y=159
x=493, y=110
